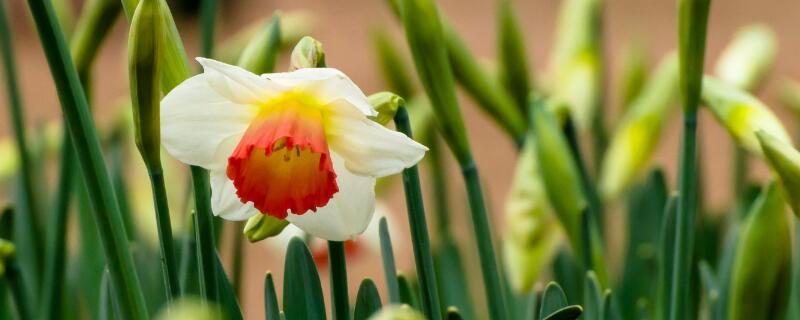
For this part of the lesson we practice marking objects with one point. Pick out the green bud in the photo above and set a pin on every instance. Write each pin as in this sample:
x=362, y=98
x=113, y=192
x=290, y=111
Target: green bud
x=741, y=114
x=386, y=103
x=533, y=232
x=637, y=134
x=488, y=93
x=307, y=53
x=762, y=267
x=9, y=162
x=262, y=226
x=785, y=162
x=191, y=309
x=576, y=64
x=746, y=61
x=560, y=175
x=395, y=312
x=634, y=72
x=144, y=54
x=7, y=250
x=261, y=52
x=425, y=37
x=393, y=67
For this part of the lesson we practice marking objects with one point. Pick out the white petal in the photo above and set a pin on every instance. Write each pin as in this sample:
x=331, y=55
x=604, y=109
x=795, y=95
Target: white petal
x=237, y=84
x=349, y=211
x=327, y=84
x=199, y=126
x=367, y=147
x=224, y=201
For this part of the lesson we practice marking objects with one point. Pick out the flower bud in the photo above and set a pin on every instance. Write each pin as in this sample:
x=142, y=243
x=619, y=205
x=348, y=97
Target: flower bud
x=560, y=175
x=307, y=53
x=144, y=57
x=576, y=62
x=262, y=226
x=9, y=162
x=785, y=162
x=748, y=58
x=762, y=266
x=425, y=37
x=395, y=312
x=386, y=103
x=262, y=51
x=639, y=130
x=533, y=233
x=191, y=309
x=741, y=114
x=7, y=251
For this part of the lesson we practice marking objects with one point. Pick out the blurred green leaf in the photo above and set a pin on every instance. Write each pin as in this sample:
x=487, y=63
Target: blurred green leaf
x=610, y=308
x=514, y=67
x=271, y=308
x=553, y=299
x=368, y=301
x=665, y=258
x=227, y=294
x=302, y=291
x=592, y=298
x=408, y=295
x=261, y=52
x=451, y=277
x=393, y=66
x=566, y=313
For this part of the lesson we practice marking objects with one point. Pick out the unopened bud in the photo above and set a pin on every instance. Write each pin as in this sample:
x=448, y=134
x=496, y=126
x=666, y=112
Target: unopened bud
x=785, y=162
x=748, y=58
x=395, y=312
x=741, y=114
x=308, y=53
x=262, y=226
x=386, y=103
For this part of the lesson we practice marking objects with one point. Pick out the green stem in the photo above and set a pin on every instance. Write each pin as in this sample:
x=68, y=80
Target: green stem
x=495, y=295
x=56, y=242
x=419, y=229
x=692, y=25
x=26, y=222
x=238, y=258
x=208, y=11
x=169, y=263
x=740, y=167
x=439, y=176
x=338, y=269
x=204, y=235
x=90, y=158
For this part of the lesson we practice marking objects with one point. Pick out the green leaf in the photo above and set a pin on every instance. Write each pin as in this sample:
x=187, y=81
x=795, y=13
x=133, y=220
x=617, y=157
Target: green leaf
x=568, y=274
x=710, y=292
x=389, y=268
x=368, y=300
x=566, y=313
x=204, y=238
x=271, y=308
x=610, y=309
x=302, y=291
x=592, y=298
x=407, y=293
x=108, y=307
x=394, y=68
x=227, y=294
x=261, y=53
x=553, y=299
x=451, y=277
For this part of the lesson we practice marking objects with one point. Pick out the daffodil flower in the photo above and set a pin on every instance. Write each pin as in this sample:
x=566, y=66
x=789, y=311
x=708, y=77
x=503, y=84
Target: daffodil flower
x=298, y=145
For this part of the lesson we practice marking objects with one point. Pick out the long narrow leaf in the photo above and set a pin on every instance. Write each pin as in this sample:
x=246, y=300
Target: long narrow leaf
x=302, y=291
x=368, y=301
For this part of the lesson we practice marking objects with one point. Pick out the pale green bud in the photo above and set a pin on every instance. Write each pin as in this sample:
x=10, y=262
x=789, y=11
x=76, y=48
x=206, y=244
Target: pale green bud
x=395, y=312
x=741, y=114
x=9, y=162
x=7, y=250
x=191, y=309
x=533, y=232
x=308, y=53
x=560, y=175
x=634, y=72
x=748, y=58
x=637, y=134
x=576, y=59
x=262, y=226
x=785, y=162
x=761, y=275
x=386, y=103
x=144, y=55
x=261, y=53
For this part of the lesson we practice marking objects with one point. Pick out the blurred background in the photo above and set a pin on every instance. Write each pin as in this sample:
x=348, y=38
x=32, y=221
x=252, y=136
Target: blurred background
x=344, y=28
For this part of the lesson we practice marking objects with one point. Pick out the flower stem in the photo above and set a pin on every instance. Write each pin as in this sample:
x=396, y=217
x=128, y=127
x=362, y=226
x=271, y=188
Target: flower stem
x=419, y=229
x=169, y=264
x=56, y=242
x=87, y=145
x=26, y=223
x=483, y=236
x=338, y=269
x=204, y=235
x=692, y=24
x=208, y=11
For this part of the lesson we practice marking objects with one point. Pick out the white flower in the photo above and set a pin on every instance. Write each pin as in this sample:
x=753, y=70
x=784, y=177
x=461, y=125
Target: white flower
x=295, y=145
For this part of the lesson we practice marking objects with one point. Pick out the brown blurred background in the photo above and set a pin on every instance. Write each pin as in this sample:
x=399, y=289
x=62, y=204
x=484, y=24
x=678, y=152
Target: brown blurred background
x=344, y=29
